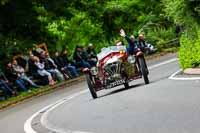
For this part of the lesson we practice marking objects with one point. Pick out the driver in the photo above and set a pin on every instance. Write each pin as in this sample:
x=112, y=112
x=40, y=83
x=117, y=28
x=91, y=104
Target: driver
x=132, y=43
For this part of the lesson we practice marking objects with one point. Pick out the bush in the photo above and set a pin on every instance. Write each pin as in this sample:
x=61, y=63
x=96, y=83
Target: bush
x=189, y=53
x=159, y=37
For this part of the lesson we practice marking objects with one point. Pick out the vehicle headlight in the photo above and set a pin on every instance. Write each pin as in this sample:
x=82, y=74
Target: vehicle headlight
x=131, y=59
x=94, y=71
x=122, y=52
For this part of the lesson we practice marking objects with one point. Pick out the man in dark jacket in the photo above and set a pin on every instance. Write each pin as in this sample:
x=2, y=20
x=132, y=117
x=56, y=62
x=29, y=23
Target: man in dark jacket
x=92, y=56
x=13, y=78
x=50, y=65
x=4, y=86
x=132, y=43
x=81, y=58
x=67, y=64
x=141, y=43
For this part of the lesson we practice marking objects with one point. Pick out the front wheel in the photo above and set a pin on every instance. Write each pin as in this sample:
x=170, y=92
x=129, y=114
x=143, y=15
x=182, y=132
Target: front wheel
x=143, y=69
x=90, y=86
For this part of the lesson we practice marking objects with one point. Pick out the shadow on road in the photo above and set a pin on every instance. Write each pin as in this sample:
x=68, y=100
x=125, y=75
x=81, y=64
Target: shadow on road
x=121, y=89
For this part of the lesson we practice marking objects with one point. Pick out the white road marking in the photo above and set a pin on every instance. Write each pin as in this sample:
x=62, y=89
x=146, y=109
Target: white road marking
x=163, y=63
x=173, y=77
x=27, y=126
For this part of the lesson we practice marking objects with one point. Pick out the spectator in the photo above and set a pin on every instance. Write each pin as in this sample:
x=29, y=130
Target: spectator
x=32, y=68
x=19, y=71
x=4, y=86
x=50, y=66
x=33, y=71
x=41, y=71
x=92, y=56
x=67, y=64
x=60, y=64
x=79, y=57
x=14, y=78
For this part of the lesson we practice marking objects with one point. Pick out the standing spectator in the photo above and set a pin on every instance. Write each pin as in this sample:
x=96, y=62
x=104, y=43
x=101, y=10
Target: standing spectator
x=50, y=66
x=80, y=59
x=13, y=78
x=67, y=64
x=19, y=71
x=92, y=56
x=41, y=71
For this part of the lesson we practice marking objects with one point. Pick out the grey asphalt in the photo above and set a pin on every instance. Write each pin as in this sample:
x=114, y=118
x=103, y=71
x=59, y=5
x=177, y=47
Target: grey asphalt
x=162, y=106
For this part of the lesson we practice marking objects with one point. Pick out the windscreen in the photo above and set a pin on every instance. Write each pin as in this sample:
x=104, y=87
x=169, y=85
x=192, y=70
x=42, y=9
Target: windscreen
x=106, y=51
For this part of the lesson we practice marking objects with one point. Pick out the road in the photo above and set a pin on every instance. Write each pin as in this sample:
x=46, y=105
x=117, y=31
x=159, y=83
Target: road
x=163, y=106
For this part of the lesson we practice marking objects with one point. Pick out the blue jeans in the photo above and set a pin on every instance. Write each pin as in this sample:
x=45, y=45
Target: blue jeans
x=27, y=79
x=58, y=74
x=6, y=89
x=85, y=64
x=72, y=69
x=20, y=83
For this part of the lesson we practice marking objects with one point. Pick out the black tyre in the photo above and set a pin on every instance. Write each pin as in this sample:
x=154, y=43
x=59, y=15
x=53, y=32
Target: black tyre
x=90, y=86
x=126, y=85
x=143, y=69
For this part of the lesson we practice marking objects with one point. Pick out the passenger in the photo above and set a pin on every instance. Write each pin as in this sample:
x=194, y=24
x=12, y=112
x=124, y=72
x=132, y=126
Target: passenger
x=141, y=42
x=132, y=44
x=119, y=43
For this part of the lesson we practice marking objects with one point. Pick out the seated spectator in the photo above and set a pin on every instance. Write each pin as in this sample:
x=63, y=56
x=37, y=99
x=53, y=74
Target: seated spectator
x=14, y=78
x=19, y=71
x=79, y=57
x=41, y=71
x=67, y=64
x=50, y=66
x=22, y=61
x=32, y=68
x=92, y=56
x=33, y=71
x=58, y=61
x=4, y=86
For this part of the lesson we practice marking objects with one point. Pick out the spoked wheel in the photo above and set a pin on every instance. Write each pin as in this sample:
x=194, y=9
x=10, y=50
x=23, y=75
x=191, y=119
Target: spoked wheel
x=143, y=69
x=91, y=86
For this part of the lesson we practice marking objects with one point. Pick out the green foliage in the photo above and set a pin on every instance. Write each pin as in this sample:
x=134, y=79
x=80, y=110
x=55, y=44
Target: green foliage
x=160, y=36
x=65, y=24
x=189, y=53
x=186, y=13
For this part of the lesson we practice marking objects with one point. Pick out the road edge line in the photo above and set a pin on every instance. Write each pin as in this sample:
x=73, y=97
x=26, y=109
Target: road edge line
x=27, y=126
x=173, y=77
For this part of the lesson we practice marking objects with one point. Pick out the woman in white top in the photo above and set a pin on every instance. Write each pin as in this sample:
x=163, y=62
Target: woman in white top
x=41, y=71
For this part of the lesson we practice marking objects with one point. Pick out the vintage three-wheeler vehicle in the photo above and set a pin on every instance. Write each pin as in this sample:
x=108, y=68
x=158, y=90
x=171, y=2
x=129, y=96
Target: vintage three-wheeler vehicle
x=115, y=67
